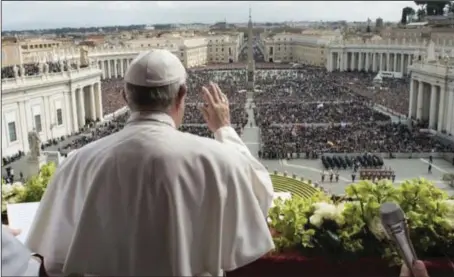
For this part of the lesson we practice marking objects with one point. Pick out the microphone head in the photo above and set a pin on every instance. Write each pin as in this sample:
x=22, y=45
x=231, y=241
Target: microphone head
x=391, y=213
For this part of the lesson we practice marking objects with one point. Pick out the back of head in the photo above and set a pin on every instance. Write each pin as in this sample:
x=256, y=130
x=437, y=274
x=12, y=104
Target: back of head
x=153, y=81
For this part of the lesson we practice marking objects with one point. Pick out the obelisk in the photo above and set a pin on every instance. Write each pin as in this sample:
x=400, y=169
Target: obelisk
x=250, y=56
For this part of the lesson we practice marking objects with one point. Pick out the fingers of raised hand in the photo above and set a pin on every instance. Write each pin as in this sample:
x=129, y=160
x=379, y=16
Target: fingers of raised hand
x=207, y=96
x=204, y=110
x=222, y=96
x=215, y=93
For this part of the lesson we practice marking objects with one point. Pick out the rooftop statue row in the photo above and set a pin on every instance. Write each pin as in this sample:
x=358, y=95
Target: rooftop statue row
x=42, y=69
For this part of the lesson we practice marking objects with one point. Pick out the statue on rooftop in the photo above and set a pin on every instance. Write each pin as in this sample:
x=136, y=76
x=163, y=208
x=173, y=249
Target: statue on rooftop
x=62, y=65
x=22, y=70
x=431, y=51
x=16, y=71
x=40, y=68
x=45, y=68
x=84, y=61
x=34, y=143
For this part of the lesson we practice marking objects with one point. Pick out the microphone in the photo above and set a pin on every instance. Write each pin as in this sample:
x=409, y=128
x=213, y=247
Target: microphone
x=395, y=224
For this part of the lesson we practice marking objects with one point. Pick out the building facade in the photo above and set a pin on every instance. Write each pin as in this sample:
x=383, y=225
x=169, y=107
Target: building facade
x=432, y=94
x=306, y=48
x=52, y=104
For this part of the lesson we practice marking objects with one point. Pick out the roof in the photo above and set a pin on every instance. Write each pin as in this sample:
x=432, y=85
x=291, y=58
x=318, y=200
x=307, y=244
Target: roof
x=415, y=24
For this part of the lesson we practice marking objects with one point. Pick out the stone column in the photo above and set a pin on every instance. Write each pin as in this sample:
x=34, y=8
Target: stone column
x=408, y=63
x=412, y=96
x=74, y=108
x=23, y=126
x=122, y=69
x=367, y=61
x=109, y=72
x=402, y=61
x=67, y=112
x=450, y=111
x=388, y=62
x=420, y=100
x=433, y=107
x=353, y=66
x=47, y=118
x=441, y=110
x=360, y=61
x=103, y=69
x=345, y=61
x=98, y=97
x=81, y=105
x=92, y=102
x=380, y=60
x=395, y=62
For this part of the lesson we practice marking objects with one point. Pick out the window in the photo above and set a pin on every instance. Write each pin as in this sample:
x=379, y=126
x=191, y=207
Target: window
x=59, y=117
x=38, y=126
x=12, y=131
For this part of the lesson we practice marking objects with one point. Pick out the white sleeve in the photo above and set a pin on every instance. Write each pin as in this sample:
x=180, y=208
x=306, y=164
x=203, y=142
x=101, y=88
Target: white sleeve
x=16, y=258
x=244, y=233
x=259, y=176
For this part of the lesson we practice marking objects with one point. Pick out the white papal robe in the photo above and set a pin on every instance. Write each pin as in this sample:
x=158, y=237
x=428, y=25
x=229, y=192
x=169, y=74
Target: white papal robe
x=153, y=201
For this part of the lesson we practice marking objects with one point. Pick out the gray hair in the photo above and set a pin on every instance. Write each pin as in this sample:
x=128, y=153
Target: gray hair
x=151, y=98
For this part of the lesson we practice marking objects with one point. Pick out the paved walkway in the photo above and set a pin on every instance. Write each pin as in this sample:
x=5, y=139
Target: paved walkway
x=251, y=133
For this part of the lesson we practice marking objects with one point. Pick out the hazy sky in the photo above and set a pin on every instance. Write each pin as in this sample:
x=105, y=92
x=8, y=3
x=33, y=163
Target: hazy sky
x=43, y=14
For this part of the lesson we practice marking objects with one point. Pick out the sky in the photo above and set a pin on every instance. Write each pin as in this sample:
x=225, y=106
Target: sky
x=20, y=15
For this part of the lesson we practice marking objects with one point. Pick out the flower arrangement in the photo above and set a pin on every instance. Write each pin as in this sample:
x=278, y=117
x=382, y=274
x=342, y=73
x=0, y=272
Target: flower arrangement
x=322, y=236
x=350, y=228
x=31, y=191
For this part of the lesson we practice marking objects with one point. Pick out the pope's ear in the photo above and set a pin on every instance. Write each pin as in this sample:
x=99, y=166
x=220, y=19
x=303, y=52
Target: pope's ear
x=182, y=93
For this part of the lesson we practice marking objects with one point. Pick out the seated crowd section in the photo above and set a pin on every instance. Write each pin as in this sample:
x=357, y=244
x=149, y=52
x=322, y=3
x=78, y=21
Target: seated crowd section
x=305, y=110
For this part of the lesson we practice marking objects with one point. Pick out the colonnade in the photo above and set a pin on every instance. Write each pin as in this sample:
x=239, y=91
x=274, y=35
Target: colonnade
x=433, y=103
x=86, y=103
x=115, y=67
x=370, y=61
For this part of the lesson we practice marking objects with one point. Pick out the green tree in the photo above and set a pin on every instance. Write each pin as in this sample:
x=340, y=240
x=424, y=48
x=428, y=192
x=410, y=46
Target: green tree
x=433, y=7
x=421, y=13
x=407, y=12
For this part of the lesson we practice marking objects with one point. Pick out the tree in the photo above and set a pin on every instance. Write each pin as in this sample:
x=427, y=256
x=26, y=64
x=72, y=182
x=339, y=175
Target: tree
x=406, y=13
x=421, y=13
x=433, y=7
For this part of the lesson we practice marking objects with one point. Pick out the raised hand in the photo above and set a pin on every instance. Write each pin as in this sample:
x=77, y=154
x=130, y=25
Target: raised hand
x=216, y=110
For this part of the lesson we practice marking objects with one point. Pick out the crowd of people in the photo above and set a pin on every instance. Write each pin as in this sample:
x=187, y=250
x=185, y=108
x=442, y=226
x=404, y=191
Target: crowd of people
x=280, y=141
x=392, y=93
x=289, y=113
x=289, y=105
x=232, y=82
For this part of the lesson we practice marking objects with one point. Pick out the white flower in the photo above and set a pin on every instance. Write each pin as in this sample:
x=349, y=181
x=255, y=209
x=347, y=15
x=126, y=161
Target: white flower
x=316, y=220
x=6, y=190
x=327, y=211
x=269, y=220
x=17, y=187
